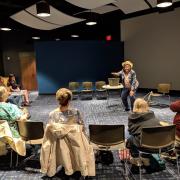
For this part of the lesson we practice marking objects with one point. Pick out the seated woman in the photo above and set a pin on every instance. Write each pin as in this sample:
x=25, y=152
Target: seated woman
x=15, y=88
x=175, y=107
x=10, y=112
x=14, y=99
x=64, y=113
x=139, y=118
x=65, y=143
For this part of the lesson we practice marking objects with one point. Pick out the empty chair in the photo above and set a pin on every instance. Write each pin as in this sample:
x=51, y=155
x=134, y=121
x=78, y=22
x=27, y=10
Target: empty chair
x=107, y=137
x=101, y=93
x=157, y=140
x=74, y=87
x=163, y=90
x=31, y=132
x=87, y=90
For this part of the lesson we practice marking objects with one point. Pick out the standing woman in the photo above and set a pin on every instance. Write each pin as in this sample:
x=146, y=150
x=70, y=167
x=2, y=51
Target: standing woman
x=130, y=83
x=15, y=88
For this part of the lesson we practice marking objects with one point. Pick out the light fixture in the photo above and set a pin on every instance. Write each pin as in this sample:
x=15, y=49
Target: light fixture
x=5, y=29
x=57, y=39
x=35, y=37
x=91, y=23
x=74, y=35
x=164, y=3
x=43, y=9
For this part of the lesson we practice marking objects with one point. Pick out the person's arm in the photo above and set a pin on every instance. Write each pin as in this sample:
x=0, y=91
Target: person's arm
x=116, y=74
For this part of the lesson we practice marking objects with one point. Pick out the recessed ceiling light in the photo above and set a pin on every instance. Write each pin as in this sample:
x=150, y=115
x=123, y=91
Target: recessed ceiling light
x=35, y=37
x=74, y=35
x=164, y=3
x=91, y=23
x=57, y=39
x=5, y=29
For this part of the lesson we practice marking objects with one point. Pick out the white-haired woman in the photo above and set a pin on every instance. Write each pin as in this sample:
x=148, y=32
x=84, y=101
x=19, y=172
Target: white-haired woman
x=10, y=112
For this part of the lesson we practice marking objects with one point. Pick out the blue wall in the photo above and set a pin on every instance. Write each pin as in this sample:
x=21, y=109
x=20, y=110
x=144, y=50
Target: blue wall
x=62, y=61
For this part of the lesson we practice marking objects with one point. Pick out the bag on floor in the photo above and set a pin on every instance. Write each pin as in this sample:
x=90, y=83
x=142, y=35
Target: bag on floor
x=104, y=157
x=156, y=163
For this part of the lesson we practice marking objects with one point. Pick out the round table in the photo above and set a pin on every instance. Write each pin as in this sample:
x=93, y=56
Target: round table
x=108, y=88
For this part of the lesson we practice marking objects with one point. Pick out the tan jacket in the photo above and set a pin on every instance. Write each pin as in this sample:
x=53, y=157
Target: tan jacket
x=68, y=146
x=17, y=144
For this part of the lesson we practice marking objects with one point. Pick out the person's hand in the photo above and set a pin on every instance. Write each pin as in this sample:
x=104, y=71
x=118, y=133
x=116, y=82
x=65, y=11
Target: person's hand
x=131, y=93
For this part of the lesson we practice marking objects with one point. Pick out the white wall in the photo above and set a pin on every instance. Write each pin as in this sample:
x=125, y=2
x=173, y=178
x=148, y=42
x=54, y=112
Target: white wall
x=153, y=43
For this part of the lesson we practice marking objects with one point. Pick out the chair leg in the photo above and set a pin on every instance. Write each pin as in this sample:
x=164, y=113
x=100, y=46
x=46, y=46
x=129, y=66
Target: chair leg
x=17, y=160
x=177, y=165
x=11, y=158
x=140, y=171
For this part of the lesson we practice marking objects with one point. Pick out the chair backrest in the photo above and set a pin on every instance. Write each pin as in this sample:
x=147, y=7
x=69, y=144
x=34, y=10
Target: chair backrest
x=164, y=88
x=113, y=81
x=87, y=85
x=106, y=135
x=30, y=130
x=157, y=137
x=100, y=84
x=73, y=85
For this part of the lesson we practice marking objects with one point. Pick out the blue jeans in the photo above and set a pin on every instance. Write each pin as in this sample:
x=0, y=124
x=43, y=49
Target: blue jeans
x=17, y=100
x=124, y=97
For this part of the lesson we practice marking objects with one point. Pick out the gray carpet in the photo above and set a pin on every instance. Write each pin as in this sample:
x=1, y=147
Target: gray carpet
x=93, y=112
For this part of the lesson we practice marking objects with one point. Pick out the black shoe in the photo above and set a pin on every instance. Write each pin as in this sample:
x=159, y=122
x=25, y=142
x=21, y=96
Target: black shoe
x=127, y=110
x=134, y=169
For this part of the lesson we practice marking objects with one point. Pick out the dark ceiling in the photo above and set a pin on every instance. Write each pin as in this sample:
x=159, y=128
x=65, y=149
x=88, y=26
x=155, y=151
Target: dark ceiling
x=108, y=23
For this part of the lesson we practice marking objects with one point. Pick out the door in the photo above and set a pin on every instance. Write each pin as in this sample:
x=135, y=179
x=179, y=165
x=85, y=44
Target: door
x=28, y=71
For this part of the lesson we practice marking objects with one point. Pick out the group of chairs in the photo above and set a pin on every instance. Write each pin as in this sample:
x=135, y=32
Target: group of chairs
x=86, y=90
x=110, y=137
x=153, y=140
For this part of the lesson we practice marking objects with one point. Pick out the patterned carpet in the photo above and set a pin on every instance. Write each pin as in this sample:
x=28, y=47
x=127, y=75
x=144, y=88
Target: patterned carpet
x=93, y=112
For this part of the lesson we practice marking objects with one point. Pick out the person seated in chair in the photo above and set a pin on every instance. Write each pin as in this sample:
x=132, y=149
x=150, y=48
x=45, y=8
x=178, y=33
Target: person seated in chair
x=14, y=88
x=65, y=113
x=10, y=112
x=175, y=107
x=139, y=118
x=66, y=141
x=14, y=99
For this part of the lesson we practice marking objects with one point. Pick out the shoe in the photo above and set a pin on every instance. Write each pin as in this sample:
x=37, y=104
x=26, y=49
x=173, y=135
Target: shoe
x=127, y=110
x=134, y=169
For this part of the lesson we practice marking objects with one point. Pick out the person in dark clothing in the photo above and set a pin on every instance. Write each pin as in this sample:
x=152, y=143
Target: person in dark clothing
x=175, y=107
x=139, y=118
